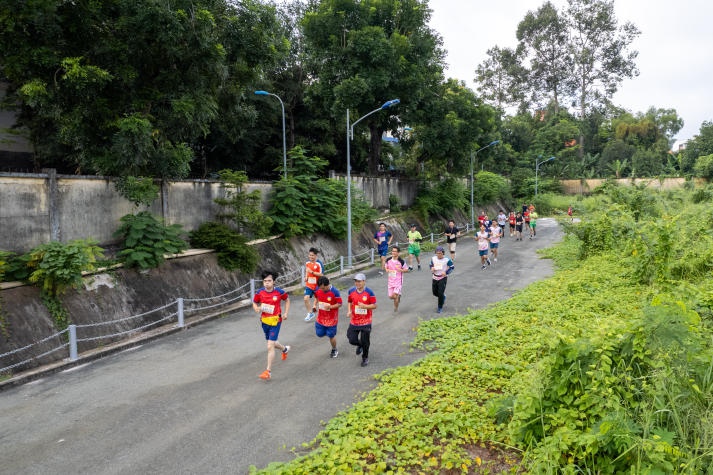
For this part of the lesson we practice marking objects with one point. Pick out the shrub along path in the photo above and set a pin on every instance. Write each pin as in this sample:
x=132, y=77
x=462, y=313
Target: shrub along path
x=192, y=402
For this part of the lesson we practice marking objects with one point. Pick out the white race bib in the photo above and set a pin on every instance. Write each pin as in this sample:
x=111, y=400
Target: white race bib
x=360, y=310
x=267, y=308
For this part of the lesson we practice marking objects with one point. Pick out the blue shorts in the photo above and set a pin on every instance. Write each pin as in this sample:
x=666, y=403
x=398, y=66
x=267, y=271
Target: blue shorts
x=321, y=330
x=383, y=251
x=309, y=292
x=271, y=332
x=482, y=252
x=494, y=245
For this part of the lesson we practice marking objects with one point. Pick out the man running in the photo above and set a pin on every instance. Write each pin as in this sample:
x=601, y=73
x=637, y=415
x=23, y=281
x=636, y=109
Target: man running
x=533, y=223
x=328, y=303
x=440, y=266
x=382, y=239
x=452, y=234
x=313, y=271
x=518, y=226
x=414, y=247
x=483, y=239
x=361, y=302
x=267, y=302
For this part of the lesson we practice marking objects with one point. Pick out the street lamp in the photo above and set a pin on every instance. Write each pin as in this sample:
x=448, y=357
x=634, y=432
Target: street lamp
x=284, y=137
x=350, y=136
x=537, y=169
x=472, y=212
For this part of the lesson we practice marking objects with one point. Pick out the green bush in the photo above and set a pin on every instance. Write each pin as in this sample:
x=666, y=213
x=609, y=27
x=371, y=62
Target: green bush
x=490, y=187
x=56, y=266
x=231, y=248
x=146, y=240
x=441, y=199
x=241, y=208
x=305, y=204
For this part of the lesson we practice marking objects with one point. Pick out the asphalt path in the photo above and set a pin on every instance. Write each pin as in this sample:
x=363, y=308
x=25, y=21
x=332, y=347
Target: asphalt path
x=191, y=402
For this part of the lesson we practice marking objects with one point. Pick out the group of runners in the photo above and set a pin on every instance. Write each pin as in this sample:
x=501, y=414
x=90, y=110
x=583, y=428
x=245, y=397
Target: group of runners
x=322, y=300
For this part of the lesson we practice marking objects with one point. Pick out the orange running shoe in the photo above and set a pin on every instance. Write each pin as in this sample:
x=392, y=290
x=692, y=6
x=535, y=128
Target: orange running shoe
x=285, y=351
x=265, y=375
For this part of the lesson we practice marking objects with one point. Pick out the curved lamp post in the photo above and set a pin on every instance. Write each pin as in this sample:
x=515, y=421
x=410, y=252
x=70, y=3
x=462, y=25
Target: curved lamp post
x=284, y=137
x=350, y=137
x=472, y=212
x=537, y=169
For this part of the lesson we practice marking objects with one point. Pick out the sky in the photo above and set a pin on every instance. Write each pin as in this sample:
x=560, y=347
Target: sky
x=675, y=48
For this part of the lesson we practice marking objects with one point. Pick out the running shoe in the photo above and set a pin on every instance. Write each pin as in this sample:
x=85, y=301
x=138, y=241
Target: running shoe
x=440, y=310
x=381, y=273
x=359, y=350
x=410, y=268
x=310, y=316
x=495, y=259
x=419, y=267
x=365, y=361
x=285, y=351
x=487, y=260
x=334, y=353
x=482, y=268
x=265, y=375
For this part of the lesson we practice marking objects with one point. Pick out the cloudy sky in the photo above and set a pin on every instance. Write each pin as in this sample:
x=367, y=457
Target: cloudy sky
x=675, y=49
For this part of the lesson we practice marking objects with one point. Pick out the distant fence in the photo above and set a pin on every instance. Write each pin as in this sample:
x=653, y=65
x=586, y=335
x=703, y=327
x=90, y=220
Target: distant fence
x=585, y=187
x=66, y=344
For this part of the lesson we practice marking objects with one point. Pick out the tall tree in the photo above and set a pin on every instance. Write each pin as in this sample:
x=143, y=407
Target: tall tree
x=129, y=87
x=543, y=35
x=599, y=51
x=502, y=77
x=363, y=53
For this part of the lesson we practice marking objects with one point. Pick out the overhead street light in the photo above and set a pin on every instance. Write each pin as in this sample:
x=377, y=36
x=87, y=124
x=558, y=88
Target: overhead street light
x=284, y=137
x=472, y=212
x=537, y=169
x=350, y=136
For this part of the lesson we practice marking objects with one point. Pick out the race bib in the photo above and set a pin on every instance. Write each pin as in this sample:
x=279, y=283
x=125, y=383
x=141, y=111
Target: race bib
x=267, y=308
x=382, y=238
x=311, y=280
x=360, y=310
x=438, y=266
x=324, y=306
x=392, y=273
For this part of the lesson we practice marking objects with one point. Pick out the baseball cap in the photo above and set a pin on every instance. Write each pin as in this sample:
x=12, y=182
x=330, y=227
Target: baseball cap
x=360, y=276
x=440, y=249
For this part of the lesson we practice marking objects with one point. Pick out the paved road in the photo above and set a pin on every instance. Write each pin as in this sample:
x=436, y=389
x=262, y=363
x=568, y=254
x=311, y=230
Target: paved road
x=191, y=402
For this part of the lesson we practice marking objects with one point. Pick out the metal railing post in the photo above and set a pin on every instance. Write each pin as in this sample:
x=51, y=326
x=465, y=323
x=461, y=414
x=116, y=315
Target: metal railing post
x=372, y=255
x=73, y=343
x=252, y=289
x=341, y=265
x=180, y=312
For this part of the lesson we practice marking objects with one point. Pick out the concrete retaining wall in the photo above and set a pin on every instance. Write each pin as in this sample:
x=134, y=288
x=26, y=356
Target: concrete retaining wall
x=39, y=208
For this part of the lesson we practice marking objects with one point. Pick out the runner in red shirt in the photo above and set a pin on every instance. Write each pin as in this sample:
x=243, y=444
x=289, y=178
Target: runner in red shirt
x=268, y=303
x=361, y=302
x=328, y=303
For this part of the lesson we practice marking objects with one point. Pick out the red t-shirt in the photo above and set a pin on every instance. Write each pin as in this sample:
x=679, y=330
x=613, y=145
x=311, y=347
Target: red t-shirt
x=325, y=298
x=310, y=278
x=270, y=304
x=360, y=316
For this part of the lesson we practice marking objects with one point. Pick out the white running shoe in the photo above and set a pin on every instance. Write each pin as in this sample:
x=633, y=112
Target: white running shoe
x=310, y=316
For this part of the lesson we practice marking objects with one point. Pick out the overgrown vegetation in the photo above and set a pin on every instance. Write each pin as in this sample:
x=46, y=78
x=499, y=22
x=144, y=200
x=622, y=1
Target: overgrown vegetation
x=242, y=208
x=441, y=198
x=230, y=246
x=595, y=370
x=305, y=204
x=56, y=266
x=146, y=240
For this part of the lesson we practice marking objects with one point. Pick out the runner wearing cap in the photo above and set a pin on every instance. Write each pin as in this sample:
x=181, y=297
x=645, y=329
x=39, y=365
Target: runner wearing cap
x=414, y=247
x=361, y=302
x=440, y=266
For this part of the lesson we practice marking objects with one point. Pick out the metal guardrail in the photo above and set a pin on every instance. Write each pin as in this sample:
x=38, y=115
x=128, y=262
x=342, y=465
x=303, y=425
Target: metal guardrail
x=70, y=338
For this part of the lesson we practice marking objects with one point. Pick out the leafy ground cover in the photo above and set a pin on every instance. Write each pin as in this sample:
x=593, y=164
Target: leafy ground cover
x=606, y=367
